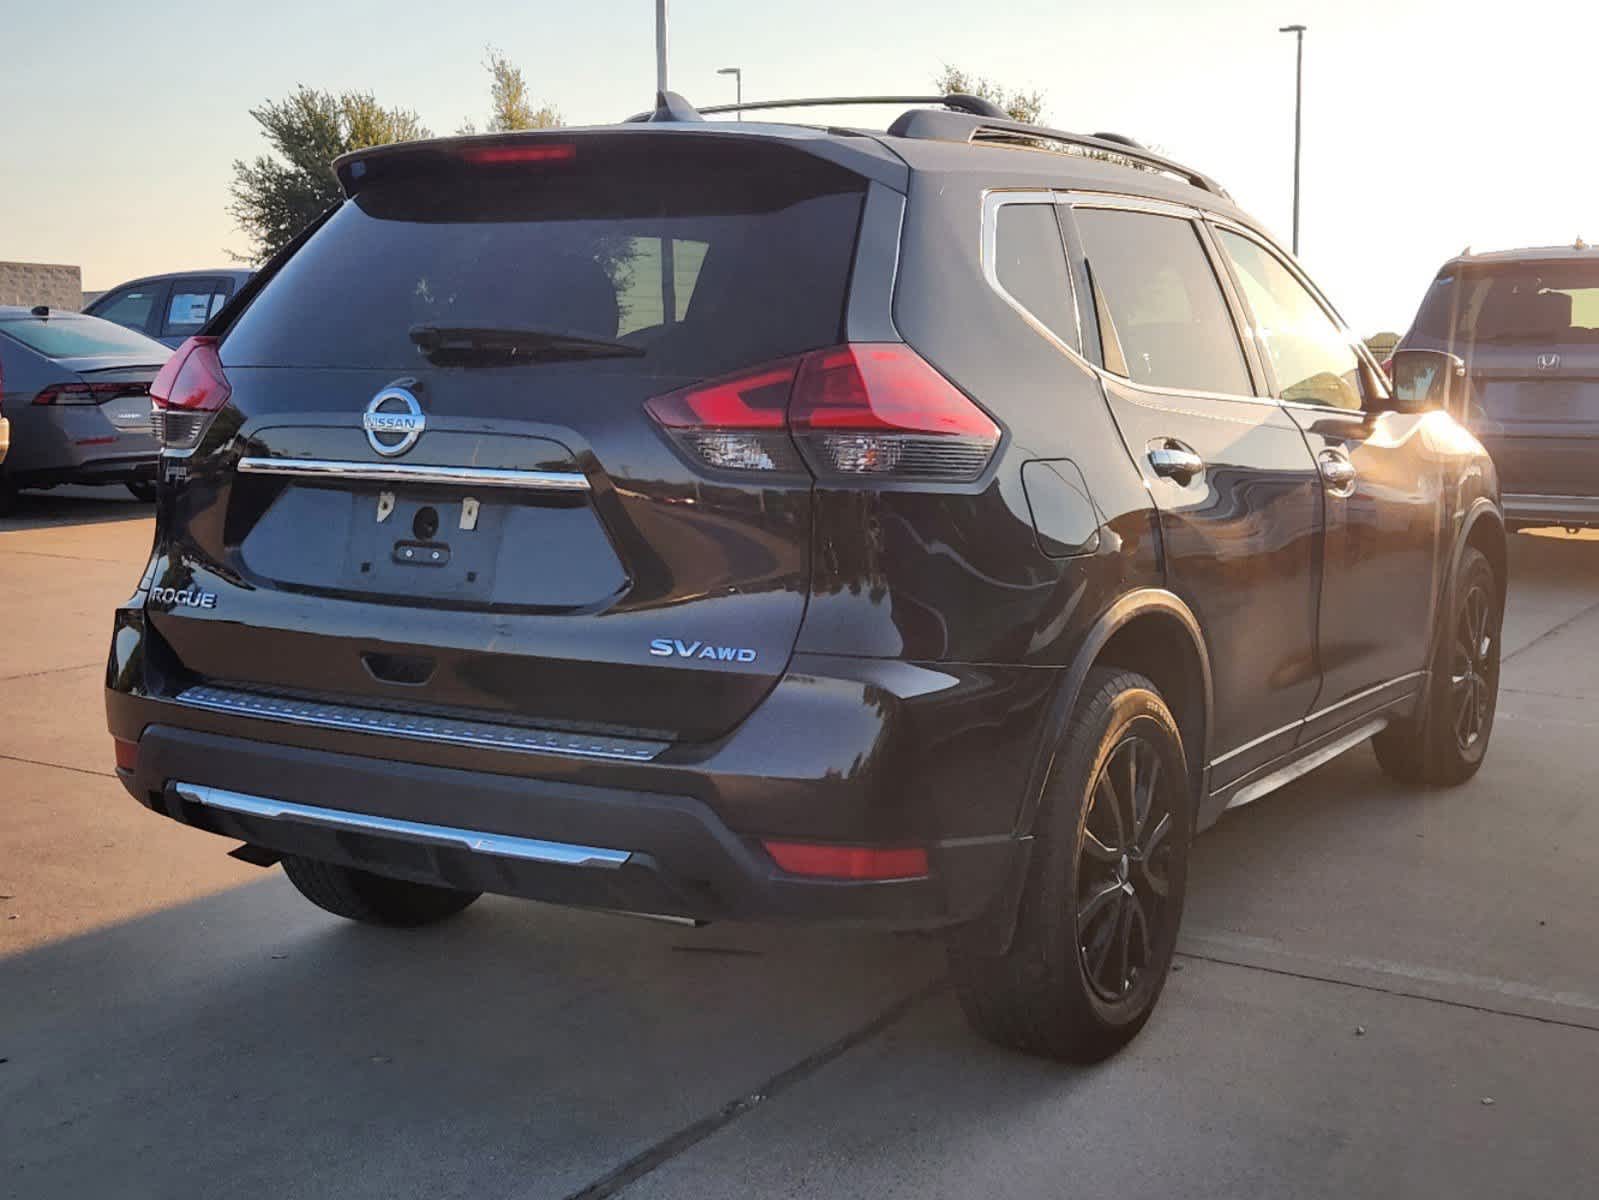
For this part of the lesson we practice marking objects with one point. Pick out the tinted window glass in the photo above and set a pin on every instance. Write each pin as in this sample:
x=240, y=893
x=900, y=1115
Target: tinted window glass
x=1163, y=318
x=760, y=247
x=131, y=307
x=1555, y=303
x=193, y=303
x=1030, y=260
x=73, y=337
x=1312, y=359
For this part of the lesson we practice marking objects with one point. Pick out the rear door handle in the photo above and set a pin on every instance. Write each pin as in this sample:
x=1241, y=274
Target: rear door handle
x=1337, y=472
x=1173, y=460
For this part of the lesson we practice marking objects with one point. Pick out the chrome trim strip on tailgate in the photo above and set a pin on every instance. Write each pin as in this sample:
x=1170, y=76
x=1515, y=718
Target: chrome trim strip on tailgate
x=320, y=468
x=448, y=730
x=498, y=844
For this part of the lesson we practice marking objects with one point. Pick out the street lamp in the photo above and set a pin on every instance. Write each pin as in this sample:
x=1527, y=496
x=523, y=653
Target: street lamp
x=738, y=80
x=1299, y=97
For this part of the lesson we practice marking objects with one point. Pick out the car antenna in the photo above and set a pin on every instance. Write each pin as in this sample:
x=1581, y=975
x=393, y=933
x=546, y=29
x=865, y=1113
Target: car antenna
x=41, y=310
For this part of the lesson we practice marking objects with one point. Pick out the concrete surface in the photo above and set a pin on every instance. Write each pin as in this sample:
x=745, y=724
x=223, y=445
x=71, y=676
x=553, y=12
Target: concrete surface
x=173, y=1023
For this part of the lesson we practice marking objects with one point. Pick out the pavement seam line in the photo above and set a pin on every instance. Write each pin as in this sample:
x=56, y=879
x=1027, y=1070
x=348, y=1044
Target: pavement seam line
x=691, y=1135
x=1547, y=633
x=48, y=671
x=4, y=550
x=1312, y=977
x=34, y=762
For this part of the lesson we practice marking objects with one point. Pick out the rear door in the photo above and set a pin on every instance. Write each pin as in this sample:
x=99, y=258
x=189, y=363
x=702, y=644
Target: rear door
x=1382, y=490
x=542, y=550
x=1227, y=468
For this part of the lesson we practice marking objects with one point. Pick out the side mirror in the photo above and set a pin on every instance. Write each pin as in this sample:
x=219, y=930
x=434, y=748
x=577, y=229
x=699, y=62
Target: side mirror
x=1428, y=379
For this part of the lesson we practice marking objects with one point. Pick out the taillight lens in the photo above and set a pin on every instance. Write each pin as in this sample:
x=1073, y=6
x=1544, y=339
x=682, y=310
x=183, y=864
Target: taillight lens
x=188, y=392
x=735, y=423
x=856, y=411
x=882, y=410
x=87, y=393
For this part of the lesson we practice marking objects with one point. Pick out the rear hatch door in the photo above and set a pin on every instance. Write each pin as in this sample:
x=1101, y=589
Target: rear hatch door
x=411, y=501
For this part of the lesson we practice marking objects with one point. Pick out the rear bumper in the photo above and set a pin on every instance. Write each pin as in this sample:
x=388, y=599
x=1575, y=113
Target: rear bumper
x=864, y=755
x=1530, y=509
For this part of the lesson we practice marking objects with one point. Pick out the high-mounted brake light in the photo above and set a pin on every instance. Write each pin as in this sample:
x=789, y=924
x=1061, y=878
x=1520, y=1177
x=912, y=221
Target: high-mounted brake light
x=875, y=410
x=188, y=393
x=493, y=156
x=849, y=862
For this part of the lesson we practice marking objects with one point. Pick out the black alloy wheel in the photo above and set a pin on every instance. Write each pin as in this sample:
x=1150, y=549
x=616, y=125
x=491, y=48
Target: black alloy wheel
x=1122, y=869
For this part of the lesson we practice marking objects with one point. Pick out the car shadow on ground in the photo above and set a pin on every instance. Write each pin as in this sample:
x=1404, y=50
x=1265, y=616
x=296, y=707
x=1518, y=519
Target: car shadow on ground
x=73, y=506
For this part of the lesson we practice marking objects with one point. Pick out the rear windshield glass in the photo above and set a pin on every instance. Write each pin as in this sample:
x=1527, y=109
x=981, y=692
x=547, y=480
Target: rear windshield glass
x=707, y=259
x=76, y=337
x=1553, y=303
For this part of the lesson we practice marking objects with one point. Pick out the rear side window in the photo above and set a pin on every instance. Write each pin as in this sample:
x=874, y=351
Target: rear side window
x=1030, y=264
x=193, y=303
x=131, y=307
x=76, y=337
x=1163, y=318
x=1310, y=356
x=709, y=259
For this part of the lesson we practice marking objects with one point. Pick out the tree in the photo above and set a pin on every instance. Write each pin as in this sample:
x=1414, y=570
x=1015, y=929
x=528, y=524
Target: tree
x=1027, y=107
x=278, y=194
x=511, y=108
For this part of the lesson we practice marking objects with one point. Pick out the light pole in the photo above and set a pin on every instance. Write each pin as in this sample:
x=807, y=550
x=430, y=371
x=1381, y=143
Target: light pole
x=1299, y=99
x=738, y=80
x=660, y=45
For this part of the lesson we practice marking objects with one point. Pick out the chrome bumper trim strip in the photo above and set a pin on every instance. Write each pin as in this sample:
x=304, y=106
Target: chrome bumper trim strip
x=317, y=468
x=499, y=845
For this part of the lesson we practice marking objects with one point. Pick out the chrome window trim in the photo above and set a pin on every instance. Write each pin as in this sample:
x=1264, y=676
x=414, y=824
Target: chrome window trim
x=317, y=468
x=988, y=257
x=474, y=841
x=1159, y=208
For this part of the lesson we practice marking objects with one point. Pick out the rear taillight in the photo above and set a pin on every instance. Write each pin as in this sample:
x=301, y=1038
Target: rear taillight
x=874, y=411
x=187, y=394
x=87, y=393
x=538, y=152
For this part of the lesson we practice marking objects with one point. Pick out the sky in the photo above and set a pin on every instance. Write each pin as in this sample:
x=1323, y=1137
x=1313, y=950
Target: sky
x=1428, y=125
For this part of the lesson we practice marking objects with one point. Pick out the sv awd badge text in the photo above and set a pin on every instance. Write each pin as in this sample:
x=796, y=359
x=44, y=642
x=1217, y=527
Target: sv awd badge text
x=672, y=648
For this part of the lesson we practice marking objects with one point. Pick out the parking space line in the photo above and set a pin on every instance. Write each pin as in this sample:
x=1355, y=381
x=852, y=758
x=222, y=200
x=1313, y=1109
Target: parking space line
x=691, y=1135
x=1524, y=1001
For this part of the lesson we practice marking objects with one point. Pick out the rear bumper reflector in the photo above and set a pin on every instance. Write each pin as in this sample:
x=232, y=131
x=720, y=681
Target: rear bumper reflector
x=447, y=837
x=448, y=730
x=318, y=468
x=127, y=754
x=849, y=862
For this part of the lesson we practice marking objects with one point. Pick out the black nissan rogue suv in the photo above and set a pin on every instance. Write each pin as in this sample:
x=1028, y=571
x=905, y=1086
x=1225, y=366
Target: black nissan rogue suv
x=930, y=528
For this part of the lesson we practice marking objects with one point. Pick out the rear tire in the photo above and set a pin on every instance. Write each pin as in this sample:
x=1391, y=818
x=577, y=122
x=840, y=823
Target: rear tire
x=1446, y=742
x=142, y=489
x=1098, y=922
x=373, y=899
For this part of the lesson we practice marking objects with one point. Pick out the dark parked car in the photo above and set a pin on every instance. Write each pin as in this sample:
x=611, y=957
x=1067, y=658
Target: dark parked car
x=1525, y=326
x=764, y=521
x=171, y=307
x=75, y=392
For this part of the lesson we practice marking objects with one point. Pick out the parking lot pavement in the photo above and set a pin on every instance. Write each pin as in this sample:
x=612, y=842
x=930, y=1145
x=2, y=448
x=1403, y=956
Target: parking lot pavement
x=174, y=1023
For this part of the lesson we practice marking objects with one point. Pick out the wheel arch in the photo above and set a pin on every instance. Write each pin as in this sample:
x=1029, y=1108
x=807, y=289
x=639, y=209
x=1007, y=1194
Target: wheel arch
x=1149, y=630
x=1483, y=528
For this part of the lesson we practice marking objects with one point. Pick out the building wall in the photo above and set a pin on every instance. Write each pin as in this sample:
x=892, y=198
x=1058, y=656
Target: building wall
x=41, y=283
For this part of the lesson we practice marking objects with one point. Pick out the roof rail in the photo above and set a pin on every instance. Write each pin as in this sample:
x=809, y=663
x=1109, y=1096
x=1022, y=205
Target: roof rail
x=669, y=106
x=960, y=127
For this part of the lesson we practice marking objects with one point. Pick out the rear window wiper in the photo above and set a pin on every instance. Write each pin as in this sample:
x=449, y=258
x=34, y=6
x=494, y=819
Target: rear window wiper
x=466, y=344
